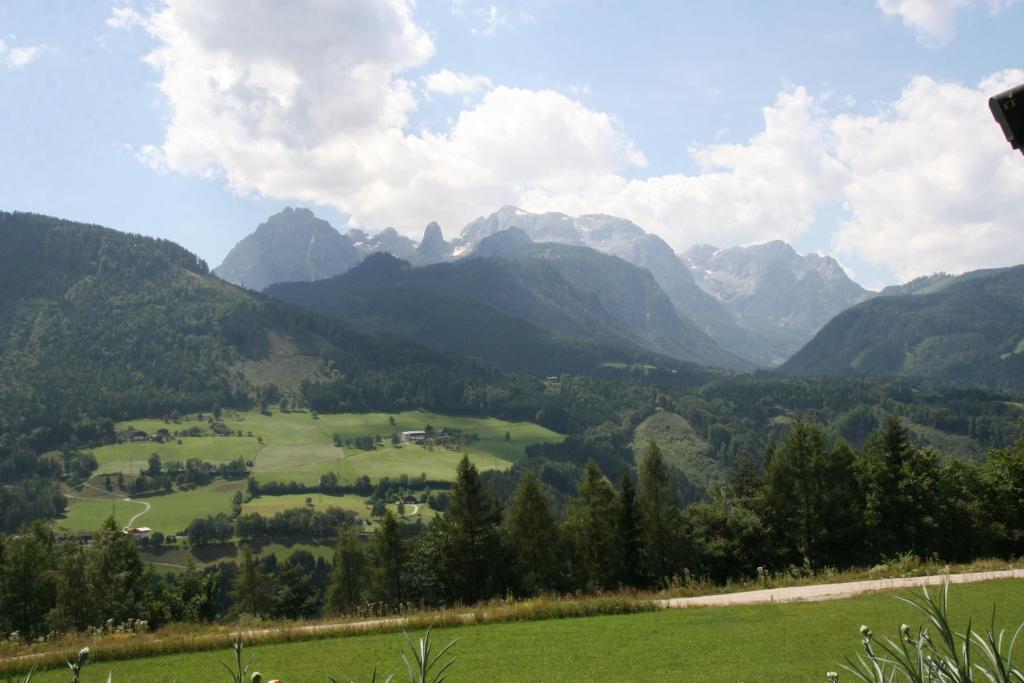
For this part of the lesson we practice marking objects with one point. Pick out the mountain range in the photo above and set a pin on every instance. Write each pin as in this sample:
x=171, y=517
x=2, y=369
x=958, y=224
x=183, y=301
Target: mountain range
x=774, y=291
x=757, y=303
x=538, y=307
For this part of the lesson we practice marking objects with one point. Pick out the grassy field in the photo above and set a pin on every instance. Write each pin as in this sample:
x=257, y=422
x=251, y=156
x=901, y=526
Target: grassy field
x=132, y=458
x=295, y=447
x=169, y=513
x=763, y=643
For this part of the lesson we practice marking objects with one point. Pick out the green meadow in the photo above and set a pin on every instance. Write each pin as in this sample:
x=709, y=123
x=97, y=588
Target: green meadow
x=292, y=446
x=758, y=643
x=169, y=513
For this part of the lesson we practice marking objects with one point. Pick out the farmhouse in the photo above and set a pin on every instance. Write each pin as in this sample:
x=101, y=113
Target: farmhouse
x=139, y=531
x=414, y=436
x=139, y=435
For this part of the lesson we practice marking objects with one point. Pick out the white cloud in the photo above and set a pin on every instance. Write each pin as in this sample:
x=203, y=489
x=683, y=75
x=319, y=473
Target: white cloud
x=447, y=82
x=932, y=184
x=492, y=18
x=935, y=20
x=125, y=17
x=767, y=188
x=153, y=157
x=323, y=118
x=16, y=58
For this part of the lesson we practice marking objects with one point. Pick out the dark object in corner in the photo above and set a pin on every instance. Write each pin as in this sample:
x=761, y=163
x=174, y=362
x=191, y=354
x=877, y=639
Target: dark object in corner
x=1008, y=111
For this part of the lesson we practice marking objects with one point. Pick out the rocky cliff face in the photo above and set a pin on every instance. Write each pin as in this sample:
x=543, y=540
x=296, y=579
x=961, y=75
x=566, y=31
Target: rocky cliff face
x=432, y=248
x=293, y=245
x=773, y=291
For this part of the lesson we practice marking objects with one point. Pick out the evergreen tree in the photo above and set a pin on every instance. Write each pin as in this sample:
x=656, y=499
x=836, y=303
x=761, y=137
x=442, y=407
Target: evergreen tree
x=296, y=596
x=116, y=574
x=74, y=609
x=812, y=498
x=474, y=552
x=881, y=473
x=252, y=588
x=591, y=527
x=387, y=560
x=347, y=582
x=659, y=515
x=629, y=534
x=26, y=580
x=532, y=536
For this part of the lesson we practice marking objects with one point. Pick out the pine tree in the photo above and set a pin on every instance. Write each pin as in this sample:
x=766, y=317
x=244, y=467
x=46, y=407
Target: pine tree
x=116, y=573
x=659, y=515
x=474, y=542
x=629, y=533
x=591, y=526
x=533, y=536
x=346, y=586
x=252, y=588
x=388, y=560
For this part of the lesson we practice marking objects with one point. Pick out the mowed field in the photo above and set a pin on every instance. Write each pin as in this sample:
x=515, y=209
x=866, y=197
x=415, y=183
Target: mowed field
x=759, y=643
x=296, y=447
x=169, y=513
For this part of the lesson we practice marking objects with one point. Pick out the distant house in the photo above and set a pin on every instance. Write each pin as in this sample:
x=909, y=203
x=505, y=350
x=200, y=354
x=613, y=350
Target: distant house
x=139, y=531
x=414, y=436
x=410, y=500
x=139, y=435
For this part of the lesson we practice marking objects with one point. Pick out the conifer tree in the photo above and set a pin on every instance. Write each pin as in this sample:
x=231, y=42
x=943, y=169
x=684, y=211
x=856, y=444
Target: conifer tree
x=252, y=588
x=388, y=560
x=659, y=515
x=629, y=532
x=347, y=583
x=116, y=573
x=533, y=536
x=591, y=526
x=474, y=542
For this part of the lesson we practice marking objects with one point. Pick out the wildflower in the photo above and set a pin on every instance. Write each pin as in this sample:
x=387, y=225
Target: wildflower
x=832, y=677
x=865, y=631
x=905, y=630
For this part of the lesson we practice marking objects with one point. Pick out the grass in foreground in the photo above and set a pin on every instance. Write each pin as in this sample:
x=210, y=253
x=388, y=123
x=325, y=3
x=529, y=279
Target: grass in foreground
x=790, y=642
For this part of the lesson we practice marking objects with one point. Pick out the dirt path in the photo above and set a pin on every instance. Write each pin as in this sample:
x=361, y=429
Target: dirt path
x=833, y=591
x=130, y=524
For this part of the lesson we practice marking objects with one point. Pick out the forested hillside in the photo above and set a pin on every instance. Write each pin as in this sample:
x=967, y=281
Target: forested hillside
x=970, y=331
x=97, y=323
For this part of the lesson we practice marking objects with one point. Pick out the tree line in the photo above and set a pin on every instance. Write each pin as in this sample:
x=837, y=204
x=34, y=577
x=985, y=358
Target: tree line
x=814, y=504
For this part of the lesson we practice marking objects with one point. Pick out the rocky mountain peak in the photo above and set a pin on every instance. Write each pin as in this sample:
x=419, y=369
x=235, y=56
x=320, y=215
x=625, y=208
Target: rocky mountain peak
x=291, y=245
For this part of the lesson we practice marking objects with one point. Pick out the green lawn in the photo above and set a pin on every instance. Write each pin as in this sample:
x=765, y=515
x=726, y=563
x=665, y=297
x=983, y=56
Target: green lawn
x=170, y=513
x=764, y=643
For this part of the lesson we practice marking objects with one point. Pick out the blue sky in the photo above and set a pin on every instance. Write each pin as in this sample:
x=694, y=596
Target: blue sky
x=851, y=128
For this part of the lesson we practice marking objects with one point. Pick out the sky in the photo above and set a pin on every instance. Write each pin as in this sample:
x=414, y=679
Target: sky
x=857, y=128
